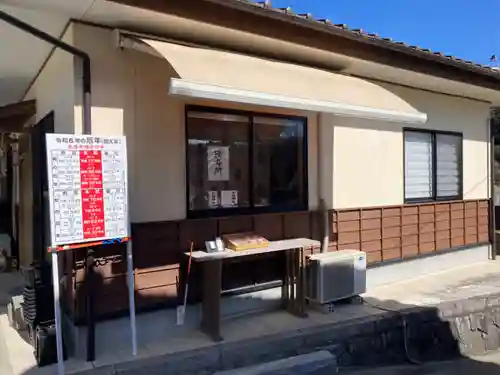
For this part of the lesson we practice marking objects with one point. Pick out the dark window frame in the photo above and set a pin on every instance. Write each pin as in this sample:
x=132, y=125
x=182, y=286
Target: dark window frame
x=238, y=211
x=435, y=198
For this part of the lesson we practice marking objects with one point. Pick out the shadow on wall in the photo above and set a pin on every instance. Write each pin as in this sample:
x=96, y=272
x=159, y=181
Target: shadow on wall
x=426, y=340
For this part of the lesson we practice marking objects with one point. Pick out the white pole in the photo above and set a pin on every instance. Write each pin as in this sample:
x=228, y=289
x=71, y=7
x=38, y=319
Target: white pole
x=131, y=296
x=57, y=311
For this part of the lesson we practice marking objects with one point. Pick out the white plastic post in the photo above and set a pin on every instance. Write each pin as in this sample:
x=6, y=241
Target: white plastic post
x=57, y=311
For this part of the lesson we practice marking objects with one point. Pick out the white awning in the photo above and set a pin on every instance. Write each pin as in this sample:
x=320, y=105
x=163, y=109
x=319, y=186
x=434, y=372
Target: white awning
x=212, y=74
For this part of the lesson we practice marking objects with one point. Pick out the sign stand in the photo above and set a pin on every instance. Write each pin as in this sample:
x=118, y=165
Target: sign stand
x=88, y=207
x=131, y=297
x=57, y=311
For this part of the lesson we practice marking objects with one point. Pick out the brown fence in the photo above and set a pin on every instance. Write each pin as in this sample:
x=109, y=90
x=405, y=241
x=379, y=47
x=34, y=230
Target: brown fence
x=388, y=233
x=385, y=233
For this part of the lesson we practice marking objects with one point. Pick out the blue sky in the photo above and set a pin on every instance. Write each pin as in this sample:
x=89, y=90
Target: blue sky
x=468, y=29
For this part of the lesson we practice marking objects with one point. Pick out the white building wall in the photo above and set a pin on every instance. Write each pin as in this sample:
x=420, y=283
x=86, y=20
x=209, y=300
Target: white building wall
x=130, y=96
x=54, y=89
x=368, y=155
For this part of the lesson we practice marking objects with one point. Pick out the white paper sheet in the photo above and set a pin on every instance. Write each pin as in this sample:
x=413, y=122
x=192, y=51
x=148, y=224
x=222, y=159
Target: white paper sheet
x=229, y=198
x=218, y=163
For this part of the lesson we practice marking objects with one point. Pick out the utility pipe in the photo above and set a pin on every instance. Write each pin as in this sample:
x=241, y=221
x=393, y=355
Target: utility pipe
x=87, y=129
x=86, y=78
x=493, y=132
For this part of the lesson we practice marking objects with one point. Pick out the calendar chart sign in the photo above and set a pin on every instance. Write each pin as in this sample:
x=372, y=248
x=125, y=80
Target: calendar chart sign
x=88, y=188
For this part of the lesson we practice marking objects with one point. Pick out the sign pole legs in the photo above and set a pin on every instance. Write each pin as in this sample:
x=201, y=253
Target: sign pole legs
x=57, y=311
x=131, y=296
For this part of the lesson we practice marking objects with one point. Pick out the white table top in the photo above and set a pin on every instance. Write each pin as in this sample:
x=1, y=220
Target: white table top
x=274, y=246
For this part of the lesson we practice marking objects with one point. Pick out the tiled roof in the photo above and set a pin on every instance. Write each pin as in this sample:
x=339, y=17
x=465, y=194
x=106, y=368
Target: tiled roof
x=362, y=34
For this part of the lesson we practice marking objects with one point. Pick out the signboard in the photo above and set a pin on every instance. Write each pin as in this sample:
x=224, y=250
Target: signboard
x=218, y=163
x=88, y=188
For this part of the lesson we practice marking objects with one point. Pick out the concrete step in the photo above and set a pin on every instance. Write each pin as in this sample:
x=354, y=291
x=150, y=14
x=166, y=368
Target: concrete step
x=315, y=363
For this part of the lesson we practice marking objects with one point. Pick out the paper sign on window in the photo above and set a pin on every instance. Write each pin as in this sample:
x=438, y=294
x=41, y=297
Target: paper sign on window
x=218, y=163
x=213, y=199
x=229, y=198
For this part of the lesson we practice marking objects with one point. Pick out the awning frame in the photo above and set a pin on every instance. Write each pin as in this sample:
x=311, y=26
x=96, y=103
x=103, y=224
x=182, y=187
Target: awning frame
x=192, y=89
x=182, y=87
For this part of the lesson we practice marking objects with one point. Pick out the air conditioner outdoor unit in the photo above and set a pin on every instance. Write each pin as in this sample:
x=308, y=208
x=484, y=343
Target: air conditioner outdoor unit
x=336, y=275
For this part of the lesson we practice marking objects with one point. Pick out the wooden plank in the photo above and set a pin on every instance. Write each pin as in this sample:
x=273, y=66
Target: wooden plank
x=371, y=224
x=270, y=226
x=391, y=243
x=410, y=240
x=442, y=216
x=372, y=213
x=409, y=210
x=348, y=237
x=371, y=246
x=348, y=215
x=374, y=257
x=156, y=279
x=426, y=209
x=196, y=231
x=426, y=247
x=442, y=207
x=392, y=232
x=442, y=234
x=426, y=218
x=297, y=225
x=409, y=251
x=409, y=219
x=391, y=221
x=426, y=227
x=390, y=254
x=443, y=225
x=372, y=234
x=409, y=229
x=443, y=243
x=347, y=226
x=351, y=246
x=237, y=224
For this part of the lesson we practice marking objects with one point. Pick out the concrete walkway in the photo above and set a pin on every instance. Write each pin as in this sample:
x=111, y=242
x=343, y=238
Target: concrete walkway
x=488, y=364
x=258, y=332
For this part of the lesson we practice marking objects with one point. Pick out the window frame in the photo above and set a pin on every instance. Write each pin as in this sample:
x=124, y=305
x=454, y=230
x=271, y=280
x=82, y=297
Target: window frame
x=435, y=198
x=251, y=210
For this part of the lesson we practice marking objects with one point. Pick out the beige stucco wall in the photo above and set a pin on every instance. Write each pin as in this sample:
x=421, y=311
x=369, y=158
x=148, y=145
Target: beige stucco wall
x=54, y=89
x=361, y=163
x=130, y=96
x=368, y=155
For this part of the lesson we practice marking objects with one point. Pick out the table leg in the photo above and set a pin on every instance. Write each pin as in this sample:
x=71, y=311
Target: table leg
x=285, y=290
x=293, y=274
x=302, y=282
x=212, y=286
x=293, y=290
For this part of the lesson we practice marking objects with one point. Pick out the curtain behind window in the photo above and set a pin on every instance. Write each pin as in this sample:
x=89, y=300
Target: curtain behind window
x=448, y=150
x=418, y=165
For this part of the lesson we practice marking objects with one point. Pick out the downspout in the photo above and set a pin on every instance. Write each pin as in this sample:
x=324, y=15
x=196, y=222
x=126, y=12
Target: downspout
x=322, y=208
x=15, y=194
x=87, y=129
x=493, y=238
x=86, y=78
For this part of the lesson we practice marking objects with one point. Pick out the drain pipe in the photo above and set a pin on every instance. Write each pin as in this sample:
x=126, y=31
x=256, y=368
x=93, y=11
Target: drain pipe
x=493, y=132
x=87, y=129
x=15, y=194
x=17, y=23
x=322, y=207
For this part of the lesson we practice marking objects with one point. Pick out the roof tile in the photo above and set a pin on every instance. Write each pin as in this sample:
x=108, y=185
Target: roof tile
x=360, y=32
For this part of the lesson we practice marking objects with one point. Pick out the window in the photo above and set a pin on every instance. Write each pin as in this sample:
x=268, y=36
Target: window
x=432, y=165
x=240, y=162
